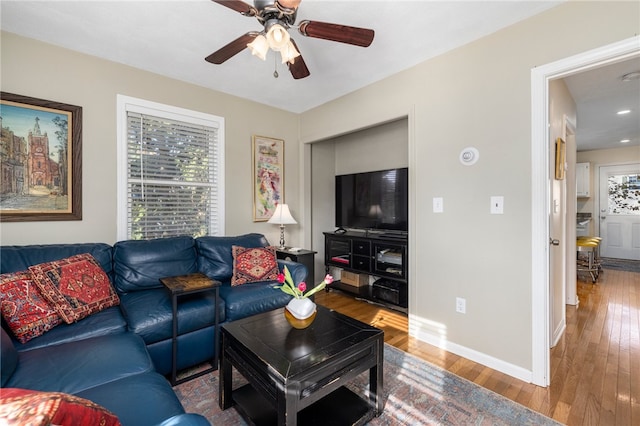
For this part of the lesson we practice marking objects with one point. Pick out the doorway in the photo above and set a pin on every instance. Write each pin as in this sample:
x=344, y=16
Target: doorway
x=541, y=177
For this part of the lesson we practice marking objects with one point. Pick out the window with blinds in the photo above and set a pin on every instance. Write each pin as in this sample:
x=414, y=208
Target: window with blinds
x=173, y=165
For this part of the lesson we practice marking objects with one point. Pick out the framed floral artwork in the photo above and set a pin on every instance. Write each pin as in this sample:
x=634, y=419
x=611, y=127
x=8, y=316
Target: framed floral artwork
x=41, y=165
x=268, y=176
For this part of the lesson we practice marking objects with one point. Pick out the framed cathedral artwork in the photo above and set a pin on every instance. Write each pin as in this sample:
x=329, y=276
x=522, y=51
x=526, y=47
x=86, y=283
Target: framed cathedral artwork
x=268, y=176
x=41, y=162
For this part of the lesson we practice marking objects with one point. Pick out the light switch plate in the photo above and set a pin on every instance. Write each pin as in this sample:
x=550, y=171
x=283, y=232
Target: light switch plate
x=438, y=204
x=497, y=204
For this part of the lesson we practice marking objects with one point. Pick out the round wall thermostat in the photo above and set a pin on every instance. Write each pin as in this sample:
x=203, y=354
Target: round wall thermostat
x=469, y=156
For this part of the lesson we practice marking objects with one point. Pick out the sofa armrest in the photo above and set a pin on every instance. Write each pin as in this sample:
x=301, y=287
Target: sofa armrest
x=188, y=419
x=297, y=270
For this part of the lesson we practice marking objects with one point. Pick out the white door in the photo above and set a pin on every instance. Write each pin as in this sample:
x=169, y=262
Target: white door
x=620, y=211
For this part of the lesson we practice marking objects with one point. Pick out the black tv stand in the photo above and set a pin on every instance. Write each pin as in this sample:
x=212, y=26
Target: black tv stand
x=392, y=236
x=378, y=255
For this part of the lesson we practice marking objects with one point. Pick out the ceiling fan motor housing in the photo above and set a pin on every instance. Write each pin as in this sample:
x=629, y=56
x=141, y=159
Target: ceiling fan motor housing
x=268, y=10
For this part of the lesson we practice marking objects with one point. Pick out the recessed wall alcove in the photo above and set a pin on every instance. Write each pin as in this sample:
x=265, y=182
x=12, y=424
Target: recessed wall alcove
x=384, y=146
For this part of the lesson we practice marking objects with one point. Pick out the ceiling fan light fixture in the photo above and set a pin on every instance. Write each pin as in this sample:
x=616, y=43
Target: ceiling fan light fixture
x=259, y=47
x=289, y=53
x=288, y=4
x=277, y=37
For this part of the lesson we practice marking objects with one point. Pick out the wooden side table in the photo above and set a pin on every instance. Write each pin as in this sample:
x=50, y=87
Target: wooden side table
x=189, y=284
x=305, y=257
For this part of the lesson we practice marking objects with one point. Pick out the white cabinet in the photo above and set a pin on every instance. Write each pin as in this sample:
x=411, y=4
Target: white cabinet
x=583, y=180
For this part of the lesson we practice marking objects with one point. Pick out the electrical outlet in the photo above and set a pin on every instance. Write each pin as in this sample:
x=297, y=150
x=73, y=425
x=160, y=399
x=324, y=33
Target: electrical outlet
x=461, y=305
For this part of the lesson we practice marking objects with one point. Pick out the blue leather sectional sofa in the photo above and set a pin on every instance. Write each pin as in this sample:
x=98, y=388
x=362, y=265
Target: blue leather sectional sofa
x=117, y=357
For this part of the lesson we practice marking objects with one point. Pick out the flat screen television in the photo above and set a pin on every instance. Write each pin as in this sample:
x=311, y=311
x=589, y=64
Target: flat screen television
x=373, y=200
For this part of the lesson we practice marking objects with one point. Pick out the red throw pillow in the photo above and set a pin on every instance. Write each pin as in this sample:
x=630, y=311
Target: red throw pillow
x=254, y=264
x=76, y=286
x=28, y=407
x=26, y=312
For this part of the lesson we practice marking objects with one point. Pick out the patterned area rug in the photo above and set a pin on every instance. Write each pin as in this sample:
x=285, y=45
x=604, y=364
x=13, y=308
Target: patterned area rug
x=621, y=264
x=416, y=393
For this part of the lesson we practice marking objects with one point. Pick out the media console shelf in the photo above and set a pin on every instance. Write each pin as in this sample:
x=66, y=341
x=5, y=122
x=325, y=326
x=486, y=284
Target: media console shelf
x=375, y=254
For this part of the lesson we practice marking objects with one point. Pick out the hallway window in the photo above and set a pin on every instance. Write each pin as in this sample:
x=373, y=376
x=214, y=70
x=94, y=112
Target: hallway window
x=624, y=194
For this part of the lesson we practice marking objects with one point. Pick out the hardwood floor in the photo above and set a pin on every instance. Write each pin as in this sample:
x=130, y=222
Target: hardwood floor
x=595, y=367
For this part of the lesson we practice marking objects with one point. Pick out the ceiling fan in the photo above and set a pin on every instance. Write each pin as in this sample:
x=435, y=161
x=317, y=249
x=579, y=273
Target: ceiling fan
x=277, y=16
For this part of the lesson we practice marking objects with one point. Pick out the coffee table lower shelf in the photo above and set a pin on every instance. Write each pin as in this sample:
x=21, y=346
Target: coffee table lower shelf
x=340, y=407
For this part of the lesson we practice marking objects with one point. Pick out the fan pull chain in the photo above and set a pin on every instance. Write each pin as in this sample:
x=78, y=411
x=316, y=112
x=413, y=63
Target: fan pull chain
x=275, y=66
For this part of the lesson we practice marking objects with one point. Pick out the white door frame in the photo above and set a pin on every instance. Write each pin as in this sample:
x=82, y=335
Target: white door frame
x=570, y=278
x=540, y=182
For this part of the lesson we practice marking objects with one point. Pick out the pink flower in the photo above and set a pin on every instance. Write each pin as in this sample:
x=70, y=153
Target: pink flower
x=328, y=279
x=281, y=278
x=302, y=286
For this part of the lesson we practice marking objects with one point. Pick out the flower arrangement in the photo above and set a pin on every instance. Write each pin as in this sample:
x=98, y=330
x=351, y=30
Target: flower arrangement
x=299, y=291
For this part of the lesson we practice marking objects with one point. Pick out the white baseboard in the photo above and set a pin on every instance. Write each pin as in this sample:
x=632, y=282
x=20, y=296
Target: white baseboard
x=558, y=332
x=430, y=332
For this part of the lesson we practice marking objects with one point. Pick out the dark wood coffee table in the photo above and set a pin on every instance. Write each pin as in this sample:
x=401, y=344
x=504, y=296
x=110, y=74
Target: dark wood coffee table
x=298, y=376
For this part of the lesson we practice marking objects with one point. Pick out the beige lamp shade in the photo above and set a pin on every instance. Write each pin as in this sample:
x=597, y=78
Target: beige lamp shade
x=289, y=53
x=282, y=216
x=277, y=37
x=259, y=47
x=289, y=4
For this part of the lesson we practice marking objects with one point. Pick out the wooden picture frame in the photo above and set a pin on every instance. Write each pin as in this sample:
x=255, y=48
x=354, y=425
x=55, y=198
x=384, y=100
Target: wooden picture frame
x=561, y=155
x=268, y=176
x=41, y=169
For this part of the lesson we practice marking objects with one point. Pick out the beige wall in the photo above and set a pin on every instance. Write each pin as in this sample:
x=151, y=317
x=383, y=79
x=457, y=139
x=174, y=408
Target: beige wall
x=40, y=70
x=478, y=95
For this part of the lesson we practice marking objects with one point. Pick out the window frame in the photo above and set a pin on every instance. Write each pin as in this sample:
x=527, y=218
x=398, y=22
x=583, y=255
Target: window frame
x=127, y=104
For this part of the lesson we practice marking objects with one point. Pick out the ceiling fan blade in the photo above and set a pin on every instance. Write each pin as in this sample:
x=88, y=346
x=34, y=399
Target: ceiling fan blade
x=231, y=49
x=298, y=69
x=238, y=6
x=334, y=32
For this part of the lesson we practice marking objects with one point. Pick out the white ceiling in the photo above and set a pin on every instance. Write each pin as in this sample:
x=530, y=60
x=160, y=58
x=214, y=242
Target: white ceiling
x=599, y=94
x=172, y=38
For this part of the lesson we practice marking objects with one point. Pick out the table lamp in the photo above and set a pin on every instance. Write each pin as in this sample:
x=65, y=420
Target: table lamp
x=282, y=216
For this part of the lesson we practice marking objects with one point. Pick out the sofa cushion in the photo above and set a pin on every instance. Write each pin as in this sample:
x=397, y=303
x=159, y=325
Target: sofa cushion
x=76, y=286
x=139, y=265
x=254, y=264
x=194, y=348
x=214, y=253
x=19, y=258
x=25, y=311
x=140, y=400
x=251, y=299
x=8, y=357
x=80, y=365
x=28, y=407
x=149, y=313
x=109, y=321
x=187, y=419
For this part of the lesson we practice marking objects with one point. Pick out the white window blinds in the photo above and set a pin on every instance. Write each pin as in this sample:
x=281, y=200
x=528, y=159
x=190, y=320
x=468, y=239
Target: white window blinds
x=173, y=175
